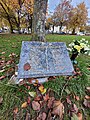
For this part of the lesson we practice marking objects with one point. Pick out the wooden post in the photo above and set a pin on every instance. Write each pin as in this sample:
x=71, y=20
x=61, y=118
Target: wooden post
x=39, y=17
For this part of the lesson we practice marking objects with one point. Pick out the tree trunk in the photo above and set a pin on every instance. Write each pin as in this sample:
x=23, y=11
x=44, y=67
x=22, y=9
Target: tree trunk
x=18, y=23
x=11, y=27
x=73, y=32
x=38, y=23
x=8, y=18
x=53, y=29
x=60, y=28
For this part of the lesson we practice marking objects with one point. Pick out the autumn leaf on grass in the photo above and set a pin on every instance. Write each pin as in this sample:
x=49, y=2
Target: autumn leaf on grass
x=24, y=105
x=88, y=89
x=32, y=94
x=87, y=97
x=42, y=89
x=79, y=115
x=58, y=109
x=35, y=105
x=68, y=100
x=77, y=98
x=38, y=98
x=42, y=116
x=15, y=110
x=2, y=77
x=86, y=103
x=27, y=66
x=28, y=100
x=50, y=102
x=46, y=97
x=27, y=116
x=75, y=109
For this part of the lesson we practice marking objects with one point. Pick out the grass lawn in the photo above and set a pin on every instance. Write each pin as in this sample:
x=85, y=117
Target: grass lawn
x=12, y=97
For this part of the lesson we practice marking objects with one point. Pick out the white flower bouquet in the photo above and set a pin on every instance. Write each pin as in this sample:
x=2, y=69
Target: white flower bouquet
x=79, y=46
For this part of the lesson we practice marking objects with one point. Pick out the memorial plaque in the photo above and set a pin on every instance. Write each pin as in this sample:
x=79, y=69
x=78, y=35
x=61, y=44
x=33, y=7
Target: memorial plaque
x=43, y=59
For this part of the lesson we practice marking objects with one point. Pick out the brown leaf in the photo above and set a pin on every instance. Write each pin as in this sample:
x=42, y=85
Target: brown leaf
x=58, y=109
x=77, y=98
x=79, y=115
x=46, y=97
x=24, y=105
x=77, y=69
x=35, y=105
x=75, y=108
x=27, y=66
x=88, y=68
x=1, y=100
x=28, y=100
x=15, y=110
x=2, y=77
x=86, y=103
x=27, y=116
x=87, y=97
x=50, y=102
x=42, y=116
x=37, y=98
x=68, y=100
x=88, y=89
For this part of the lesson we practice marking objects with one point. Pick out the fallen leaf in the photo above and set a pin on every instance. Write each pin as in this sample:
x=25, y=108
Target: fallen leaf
x=27, y=66
x=88, y=88
x=79, y=115
x=58, y=109
x=1, y=100
x=77, y=98
x=15, y=110
x=88, y=68
x=38, y=98
x=27, y=116
x=2, y=77
x=87, y=97
x=28, y=100
x=77, y=69
x=24, y=105
x=35, y=105
x=32, y=94
x=50, y=102
x=41, y=88
x=46, y=97
x=68, y=100
x=86, y=103
x=44, y=91
x=1, y=71
x=42, y=116
x=75, y=108
x=3, y=53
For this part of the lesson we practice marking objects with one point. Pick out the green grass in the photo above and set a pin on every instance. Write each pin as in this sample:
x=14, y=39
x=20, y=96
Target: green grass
x=10, y=93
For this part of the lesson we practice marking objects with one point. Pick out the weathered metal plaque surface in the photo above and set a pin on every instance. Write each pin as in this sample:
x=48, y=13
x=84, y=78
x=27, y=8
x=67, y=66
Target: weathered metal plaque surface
x=43, y=59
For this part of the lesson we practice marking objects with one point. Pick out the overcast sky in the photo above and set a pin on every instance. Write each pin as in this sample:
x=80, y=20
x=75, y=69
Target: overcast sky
x=54, y=3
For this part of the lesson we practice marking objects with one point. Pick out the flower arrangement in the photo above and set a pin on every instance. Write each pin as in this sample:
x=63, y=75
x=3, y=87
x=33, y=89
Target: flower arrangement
x=79, y=46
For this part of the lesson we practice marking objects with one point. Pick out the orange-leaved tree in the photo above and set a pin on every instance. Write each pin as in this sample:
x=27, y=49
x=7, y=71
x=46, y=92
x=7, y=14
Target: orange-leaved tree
x=79, y=18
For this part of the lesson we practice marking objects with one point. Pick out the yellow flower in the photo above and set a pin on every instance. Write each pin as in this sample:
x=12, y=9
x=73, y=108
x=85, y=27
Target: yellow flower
x=78, y=48
x=82, y=45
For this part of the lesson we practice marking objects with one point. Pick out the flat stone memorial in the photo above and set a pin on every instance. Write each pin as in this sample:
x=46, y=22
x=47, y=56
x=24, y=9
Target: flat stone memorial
x=43, y=59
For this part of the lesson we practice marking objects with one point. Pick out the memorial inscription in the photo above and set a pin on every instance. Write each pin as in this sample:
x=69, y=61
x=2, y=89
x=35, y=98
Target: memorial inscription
x=43, y=59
